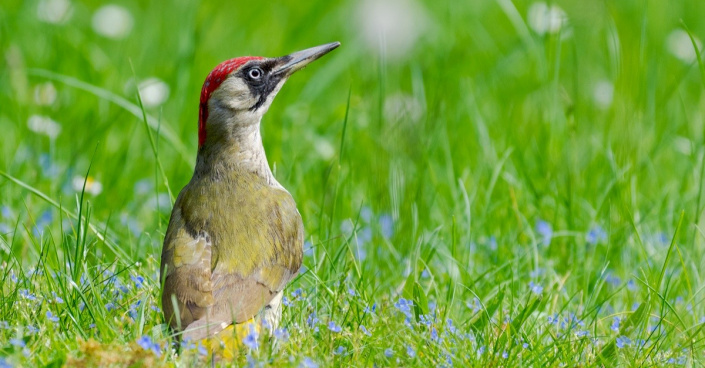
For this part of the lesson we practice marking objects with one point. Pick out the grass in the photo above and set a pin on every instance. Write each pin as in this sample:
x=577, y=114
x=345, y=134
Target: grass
x=491, y=195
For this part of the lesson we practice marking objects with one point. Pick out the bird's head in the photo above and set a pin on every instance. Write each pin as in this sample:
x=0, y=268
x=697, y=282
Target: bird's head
x=239, y=91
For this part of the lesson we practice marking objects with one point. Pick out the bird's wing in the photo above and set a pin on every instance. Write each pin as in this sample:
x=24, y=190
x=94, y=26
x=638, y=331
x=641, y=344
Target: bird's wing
x=252, y=252
x=185, y=272
x=249, y=272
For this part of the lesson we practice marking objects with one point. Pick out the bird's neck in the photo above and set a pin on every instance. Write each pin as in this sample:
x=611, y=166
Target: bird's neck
x=229, y=150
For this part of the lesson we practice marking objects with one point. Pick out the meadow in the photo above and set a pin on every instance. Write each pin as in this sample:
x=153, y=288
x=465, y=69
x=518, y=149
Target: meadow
x=482, y=183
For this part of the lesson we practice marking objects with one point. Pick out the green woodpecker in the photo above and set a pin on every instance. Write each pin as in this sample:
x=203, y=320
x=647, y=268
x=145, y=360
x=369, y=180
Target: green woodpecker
x=235, y=237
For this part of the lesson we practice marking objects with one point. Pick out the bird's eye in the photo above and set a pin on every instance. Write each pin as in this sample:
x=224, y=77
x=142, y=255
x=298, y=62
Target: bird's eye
x=255, y=73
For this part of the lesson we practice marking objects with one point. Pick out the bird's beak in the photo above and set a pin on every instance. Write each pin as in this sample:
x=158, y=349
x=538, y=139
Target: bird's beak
x=290, y=63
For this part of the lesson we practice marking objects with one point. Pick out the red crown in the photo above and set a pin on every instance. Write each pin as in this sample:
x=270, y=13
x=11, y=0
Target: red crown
x=213, y=81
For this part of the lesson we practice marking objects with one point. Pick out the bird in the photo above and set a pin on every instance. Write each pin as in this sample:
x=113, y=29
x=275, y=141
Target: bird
x=235, y=236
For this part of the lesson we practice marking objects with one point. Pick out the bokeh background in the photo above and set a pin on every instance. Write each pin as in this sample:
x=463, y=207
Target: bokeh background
x=486, y=150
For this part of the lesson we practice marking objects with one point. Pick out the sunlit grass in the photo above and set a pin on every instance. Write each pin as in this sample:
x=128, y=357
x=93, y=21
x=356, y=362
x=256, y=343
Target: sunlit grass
x=509, y=183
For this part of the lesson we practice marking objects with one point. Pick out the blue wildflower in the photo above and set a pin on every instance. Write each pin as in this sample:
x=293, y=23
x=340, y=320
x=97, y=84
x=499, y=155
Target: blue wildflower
x=404, y=306
x=133, y=310
x=612, y=279
x=155, y=308
x=505, y=355
x=6, y=212
x=553, y=319
x=410, y=351
x=287, y=302
x=449, y=360
x=202, y=349
x=109, y=307
x=4, y=325
x=52, y=317
x=434, y=335
x=352, y=292
x=544, y=229
x=388, y=352
x=426, y=320
x=571, y=321
x=308, y=363
x=631, y=285
x=42, y=222
x=386, y=224
x=363, y=236
x=138, y=280
x=432, y=306
x=4, y=363
x=525, y=345
x=333, y=327
x=146, y=343
x=366, y=214
x=615, y=324
x=623, y=341
x=364, y=330
x=17, y=342
x=308, y=248
x=492, y=242
x=312, y=321
x=596, y=235
x=475, y=305
x=31, y=329
x=425, y=274
x=281, y=334
x=535, y=288
x=340, y=350
x=297, y=293
x=251, y=340
x=250, y=361
x=27, y=295
x=450, y=327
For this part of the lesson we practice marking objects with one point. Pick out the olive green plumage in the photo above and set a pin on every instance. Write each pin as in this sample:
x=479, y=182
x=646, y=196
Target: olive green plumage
x=232, y=244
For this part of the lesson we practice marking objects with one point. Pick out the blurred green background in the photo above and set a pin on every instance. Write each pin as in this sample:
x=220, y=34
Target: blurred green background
x=471, y=126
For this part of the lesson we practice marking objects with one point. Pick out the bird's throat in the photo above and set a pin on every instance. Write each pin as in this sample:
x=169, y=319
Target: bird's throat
x=236, y=149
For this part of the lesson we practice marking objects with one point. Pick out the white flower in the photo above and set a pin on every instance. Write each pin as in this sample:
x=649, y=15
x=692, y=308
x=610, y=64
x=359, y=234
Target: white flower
x=391, y=26
x=44, y=125
x=93, y=186
x=112, y=21
x=54, y=11
x=679, y=45
x=546, y=19
x=324, y=148
x=603, y=93
x=153, y=92
x=45, y=94
x=402, y=107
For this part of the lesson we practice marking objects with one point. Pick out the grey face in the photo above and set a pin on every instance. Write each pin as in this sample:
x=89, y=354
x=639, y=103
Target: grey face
x=261, y=79
x=264, y=76
x=245, y=96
